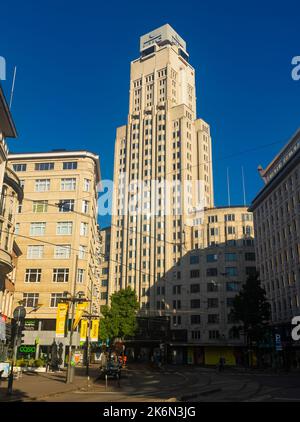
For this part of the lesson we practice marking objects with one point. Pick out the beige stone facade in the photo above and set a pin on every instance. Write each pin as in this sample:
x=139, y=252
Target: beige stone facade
x=56, y=223
x=185, y=258
x=277, y=230
x=11, y=197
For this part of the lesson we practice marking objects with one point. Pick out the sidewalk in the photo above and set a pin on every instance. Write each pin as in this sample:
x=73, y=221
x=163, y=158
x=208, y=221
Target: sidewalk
x=36, y=386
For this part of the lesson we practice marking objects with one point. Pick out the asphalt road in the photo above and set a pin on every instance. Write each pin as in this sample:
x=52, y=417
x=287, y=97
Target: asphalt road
x=188, y=384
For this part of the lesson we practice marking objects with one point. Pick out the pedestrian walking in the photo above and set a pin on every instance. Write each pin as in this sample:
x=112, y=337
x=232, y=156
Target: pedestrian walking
x=103, y=360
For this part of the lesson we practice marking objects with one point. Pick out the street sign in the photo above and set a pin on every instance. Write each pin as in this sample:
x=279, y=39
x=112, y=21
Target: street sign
x=77, y=358
x=19, y=312
x=4, y=366
x=30, y=325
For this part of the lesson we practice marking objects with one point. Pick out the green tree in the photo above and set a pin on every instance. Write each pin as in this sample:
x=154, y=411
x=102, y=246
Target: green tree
x=119, y=319
x=252, y=309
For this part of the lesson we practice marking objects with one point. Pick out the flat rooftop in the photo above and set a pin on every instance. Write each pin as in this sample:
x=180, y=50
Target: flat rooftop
x=160, y=35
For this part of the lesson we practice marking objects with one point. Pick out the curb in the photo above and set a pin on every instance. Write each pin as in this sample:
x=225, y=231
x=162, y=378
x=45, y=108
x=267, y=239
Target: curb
x=54, y=394
x=21, y=399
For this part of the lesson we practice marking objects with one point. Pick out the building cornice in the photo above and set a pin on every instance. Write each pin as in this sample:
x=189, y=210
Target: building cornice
x=11, y=179
x=226, y=207
x=7, y=126
x=282, y=153
x=274, y=182
x=59, y=154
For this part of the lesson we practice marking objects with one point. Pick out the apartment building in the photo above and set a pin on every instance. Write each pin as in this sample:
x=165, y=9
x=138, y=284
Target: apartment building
x=163, y=143
x=197, y=293
x=56, y=228
x=277, y=230
x=11, y=195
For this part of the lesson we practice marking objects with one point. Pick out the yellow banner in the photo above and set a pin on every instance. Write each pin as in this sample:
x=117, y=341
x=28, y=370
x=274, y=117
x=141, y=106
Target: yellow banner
x=80, y=308
x=62, y=310
x=83, y=329
x=94, y=335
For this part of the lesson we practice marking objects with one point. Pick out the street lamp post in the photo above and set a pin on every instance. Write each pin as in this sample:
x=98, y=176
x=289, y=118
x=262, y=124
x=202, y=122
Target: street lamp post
x=89, y=317
x=69, y=369
x=19, y=316
x=88, y=348
x=72, y=300
x=78, y=298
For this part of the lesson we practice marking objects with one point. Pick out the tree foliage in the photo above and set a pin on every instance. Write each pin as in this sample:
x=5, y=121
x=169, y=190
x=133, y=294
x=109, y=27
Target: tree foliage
x=119, y=319
x=251, y=307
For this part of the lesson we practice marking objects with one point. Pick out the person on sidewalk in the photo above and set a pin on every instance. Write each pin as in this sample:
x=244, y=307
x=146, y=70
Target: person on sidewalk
x=103, y=360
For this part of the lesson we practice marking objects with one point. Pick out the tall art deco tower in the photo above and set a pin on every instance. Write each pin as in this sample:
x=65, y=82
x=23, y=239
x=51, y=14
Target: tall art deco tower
x=159, y=156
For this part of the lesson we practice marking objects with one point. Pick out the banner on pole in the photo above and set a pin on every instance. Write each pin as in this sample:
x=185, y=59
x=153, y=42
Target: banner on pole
x=80, y=308
x=94, y=334
x=62, y=310
x=83, y=329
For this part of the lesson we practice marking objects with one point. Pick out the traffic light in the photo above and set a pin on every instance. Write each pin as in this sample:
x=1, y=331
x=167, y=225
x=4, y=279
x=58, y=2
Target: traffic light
x=22, y=324
x=13, y=331
x=20, y=339
x=17, y=335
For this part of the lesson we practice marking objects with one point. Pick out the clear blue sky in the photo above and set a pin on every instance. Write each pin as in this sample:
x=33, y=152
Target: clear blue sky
x=73, y=75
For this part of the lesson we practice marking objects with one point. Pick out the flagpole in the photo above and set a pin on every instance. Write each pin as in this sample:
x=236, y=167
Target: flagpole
x=13, y=87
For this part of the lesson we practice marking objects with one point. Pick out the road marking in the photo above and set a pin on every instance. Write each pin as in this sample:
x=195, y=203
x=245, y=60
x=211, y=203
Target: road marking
x=97, y=392
x=181, y=375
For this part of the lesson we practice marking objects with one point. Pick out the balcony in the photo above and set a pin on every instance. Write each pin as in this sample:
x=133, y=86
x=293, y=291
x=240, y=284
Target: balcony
x=12, y=180
x=6, y=265
x=11, y=188
x=161, y=105
x=3, y=149
x=148, y=110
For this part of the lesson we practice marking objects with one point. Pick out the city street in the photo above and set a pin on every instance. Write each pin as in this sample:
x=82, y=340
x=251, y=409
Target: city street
x=173, y=383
